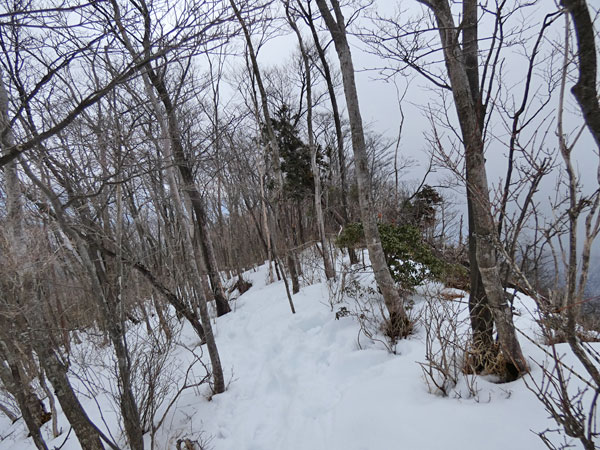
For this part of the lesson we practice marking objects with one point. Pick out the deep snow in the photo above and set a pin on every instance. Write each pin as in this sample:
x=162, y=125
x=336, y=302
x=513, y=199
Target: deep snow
x=302, y=382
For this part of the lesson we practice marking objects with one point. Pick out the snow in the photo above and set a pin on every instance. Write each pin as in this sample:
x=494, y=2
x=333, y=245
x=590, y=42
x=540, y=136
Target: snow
x=302, y=382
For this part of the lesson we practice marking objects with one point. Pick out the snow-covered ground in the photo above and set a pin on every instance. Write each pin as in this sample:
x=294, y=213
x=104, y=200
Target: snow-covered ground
x=302, y=382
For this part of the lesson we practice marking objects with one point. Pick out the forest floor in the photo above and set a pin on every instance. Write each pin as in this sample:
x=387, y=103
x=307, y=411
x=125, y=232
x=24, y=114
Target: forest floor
x=311, y=381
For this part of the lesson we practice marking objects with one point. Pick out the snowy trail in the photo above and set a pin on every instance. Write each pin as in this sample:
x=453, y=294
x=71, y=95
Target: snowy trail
x=300, y=382
x=291, y=386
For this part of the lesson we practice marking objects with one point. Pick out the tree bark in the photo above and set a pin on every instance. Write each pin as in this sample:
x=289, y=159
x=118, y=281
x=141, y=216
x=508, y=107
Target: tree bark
x=477, y=186
x=277, y=197
x=585, y=90
x=391, y=297
x=87, y=434
x=482, y=321
x=341, y=156
x=327, y=261
x=197, y=206
x=28, y=402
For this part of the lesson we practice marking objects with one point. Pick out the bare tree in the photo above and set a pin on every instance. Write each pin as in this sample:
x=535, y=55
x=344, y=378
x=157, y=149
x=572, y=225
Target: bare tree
x=167, y=113
x=307, y=15
x=327, y=261
x=277, y=196
x=462, y=68
x=394, y=303
x=576, y=412
x=27, y=287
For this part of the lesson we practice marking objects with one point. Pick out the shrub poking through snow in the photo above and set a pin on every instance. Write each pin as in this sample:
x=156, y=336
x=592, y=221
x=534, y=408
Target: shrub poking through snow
x=241, y=285
x=360, y=299
x=409, y=258
x=446, y=346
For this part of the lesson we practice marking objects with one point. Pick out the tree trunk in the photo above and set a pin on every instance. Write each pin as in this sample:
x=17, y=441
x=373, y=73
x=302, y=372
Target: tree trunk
x=265, y=222
x=586, y=94
x=477, y=187
x=585, y=90
x=25, y=399
x=87, y=434
x=156, y=80
x=277, y=196
x=341, y=156
x=14, y=209
x=108, y=300
x=327, y=262
x=291, y=264
x=115, y=324
x=392, y=299
x=482, y=322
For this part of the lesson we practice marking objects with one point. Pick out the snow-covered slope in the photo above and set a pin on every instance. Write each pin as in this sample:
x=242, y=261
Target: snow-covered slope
x=301, y=382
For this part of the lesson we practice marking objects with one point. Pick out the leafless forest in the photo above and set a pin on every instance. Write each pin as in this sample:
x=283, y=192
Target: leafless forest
x=151, y=155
